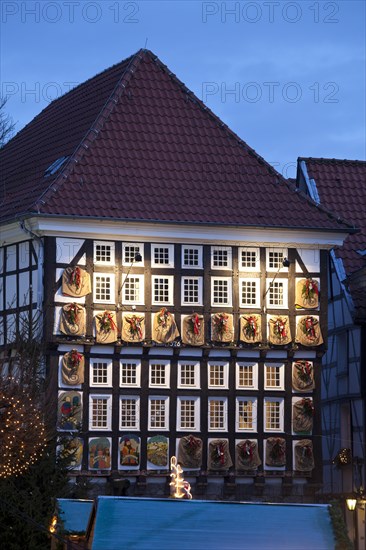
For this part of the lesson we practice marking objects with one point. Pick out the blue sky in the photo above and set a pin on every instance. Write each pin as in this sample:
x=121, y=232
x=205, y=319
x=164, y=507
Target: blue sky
x=287, y=77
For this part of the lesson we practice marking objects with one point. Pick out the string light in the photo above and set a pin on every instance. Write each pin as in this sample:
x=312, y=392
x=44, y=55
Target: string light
x=22, y=430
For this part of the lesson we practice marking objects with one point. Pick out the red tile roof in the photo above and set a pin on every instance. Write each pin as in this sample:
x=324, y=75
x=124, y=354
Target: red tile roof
x=143, y=147
x=341, y=185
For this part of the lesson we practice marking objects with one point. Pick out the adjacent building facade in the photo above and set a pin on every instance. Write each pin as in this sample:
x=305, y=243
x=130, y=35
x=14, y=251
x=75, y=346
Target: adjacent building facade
x=340, y=186
x=182, y=284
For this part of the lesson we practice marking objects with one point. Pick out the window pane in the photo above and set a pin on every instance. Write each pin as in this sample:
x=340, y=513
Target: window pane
x=187, y=414
x=245, y=415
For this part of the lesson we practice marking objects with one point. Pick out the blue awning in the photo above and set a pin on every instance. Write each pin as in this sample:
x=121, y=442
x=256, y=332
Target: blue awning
x=167, y=524
x=74, y=514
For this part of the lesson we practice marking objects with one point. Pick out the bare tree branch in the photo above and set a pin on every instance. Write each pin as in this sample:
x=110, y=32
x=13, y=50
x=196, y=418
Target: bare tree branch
x=7, y=125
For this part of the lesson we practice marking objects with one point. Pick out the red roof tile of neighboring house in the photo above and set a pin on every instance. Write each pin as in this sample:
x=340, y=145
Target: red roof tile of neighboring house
x=141, y=146
x=341, y=186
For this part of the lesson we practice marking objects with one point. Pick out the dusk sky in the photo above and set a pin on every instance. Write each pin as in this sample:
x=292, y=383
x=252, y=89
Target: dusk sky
x=287, y=77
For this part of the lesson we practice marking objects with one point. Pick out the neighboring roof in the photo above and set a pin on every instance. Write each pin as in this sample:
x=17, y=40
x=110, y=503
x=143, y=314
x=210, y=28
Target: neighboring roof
x=141, y=146
x=341, y=186
x=144, y=524
x=74, y=514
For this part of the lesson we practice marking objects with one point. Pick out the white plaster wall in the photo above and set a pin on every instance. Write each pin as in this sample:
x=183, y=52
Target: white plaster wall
x=311, y=259
x=11, y=298
x=11, y=258
x=67, y=248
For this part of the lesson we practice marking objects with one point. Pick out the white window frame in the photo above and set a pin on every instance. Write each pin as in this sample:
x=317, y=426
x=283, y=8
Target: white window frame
x=225, y=414
x=170, y=279
x=196, y=366
x=254, y=402
x=108, y=399
x=170, y=248
x=250, y=269
x=196, y=401
x=225, y=367
x=285, y=293
x=111, y=244
x=284, y=255
x=141, y=278
x=135, y=426
x=112, y=288
x=279, y=400
x=140, y=251
x=229, y=251
x=230, y=291
x=247, y=364
x=200, y=293
x=166, y=364
x=135, y=362
x=199, y=250
x=281, y=366
x=257, y=281
x=109, y=363
x=164, y=398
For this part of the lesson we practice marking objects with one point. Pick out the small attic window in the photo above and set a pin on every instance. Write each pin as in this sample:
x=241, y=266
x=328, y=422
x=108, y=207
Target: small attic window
x=52, y=169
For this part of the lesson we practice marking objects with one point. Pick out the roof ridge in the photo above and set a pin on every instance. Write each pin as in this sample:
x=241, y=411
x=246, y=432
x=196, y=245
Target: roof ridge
x=325, y=160
x=92, y=133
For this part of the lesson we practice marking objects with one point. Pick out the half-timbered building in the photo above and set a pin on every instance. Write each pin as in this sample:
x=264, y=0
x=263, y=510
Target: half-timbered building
x=340, y=186
x=182, y=283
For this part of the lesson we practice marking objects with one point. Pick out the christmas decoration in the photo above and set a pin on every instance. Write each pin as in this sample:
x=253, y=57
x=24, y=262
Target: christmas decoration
x=308, y=331
x=100, y=453
x=22, y=429
x=106, y=327
x=246, y=455
x=157, y=450
x=218, y=455
x=72, y=372
x=190, y=452
x=275, y=452
x=222, y=329
x=179, y=487
x=303, y=376
x=75, y=282
x=72, y=320
x=304, y=457
x=250, y=329
x=194, y=330
x=165, y=329
x=307, y=293
x=129, y=451
x=69, y=411
x=133, y=327
x=302, y=415
x=279, y=330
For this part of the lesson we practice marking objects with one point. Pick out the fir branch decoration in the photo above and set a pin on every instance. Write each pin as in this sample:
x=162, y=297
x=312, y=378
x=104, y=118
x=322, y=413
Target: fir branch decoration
x=310, y=291
x=75, y=277
x=135, y=328
x=163, y=317
x=307, y=407
x=195, y=324
x=304, y=370
x=106, y=323
x=308, y=327
x=72, y=314
x=279, y=328
x=250, y=327
x=220, y=321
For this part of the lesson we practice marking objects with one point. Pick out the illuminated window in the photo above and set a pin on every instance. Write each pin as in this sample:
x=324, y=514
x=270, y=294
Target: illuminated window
x=162, y=255
x=217, y=414
x=274, y=258
x=100, y=409
x=191, y=290
x=133, y=289
x=188, y=414
x=159, y=374
x=246, y=375
x=277, y=293
x=246, y=414
x=274, y=376
x=221, y=257
x=129, y=412
x=158, y=413
x=249, y=293
x=192, y=256
x=218, y=375
x=100, y=372
x=188, y=374
x=103, y=288
x=221, y=291
x=129, y=251
x=249, y=259
x=130, y=372
x=162, y=290
x=103, y=253
x=273, y=415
